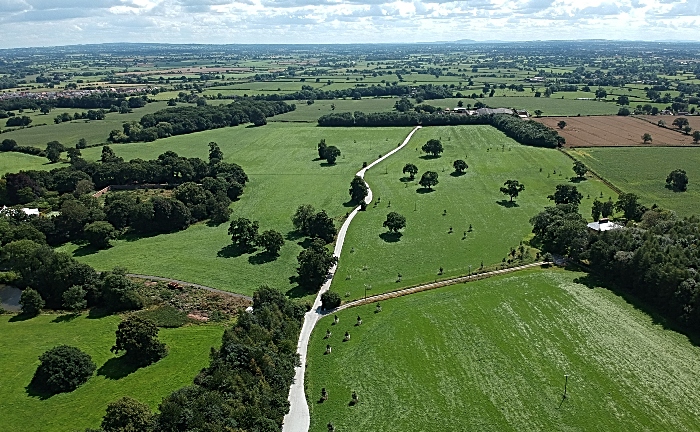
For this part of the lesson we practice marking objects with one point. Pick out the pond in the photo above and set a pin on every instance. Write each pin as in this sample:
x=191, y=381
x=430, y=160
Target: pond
x=9, y=298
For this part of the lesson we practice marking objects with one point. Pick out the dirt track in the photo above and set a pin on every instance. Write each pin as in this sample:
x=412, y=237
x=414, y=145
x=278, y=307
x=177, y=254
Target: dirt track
x=615, y=131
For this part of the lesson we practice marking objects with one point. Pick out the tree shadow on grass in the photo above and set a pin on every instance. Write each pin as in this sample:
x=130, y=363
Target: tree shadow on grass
x=262, y=258
x=423, y=190
x=577, y=179
x=391, y=237
x=507, y=203
x=65, y=318
x=97, y=313
x=132, y=236
x=85, y=250
x=407, y=179
x=306, y=243
x=297, y=291
x=457, y=173
x=592, y=281
x=35, y=390
x=232, y=251
x=21, y=317
x=673, y=189
x=327, y=164
x=428, y=157
x=350, y=204
x=117, y=368
x=211, y=224
x=293, y=235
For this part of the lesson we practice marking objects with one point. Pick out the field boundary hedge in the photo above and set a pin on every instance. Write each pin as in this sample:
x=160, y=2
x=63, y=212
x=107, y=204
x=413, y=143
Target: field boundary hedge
x=595, y=174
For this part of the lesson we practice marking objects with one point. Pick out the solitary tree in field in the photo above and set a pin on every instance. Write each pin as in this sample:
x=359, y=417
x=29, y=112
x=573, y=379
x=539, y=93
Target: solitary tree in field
x=138, y=338
x=646, y=138
x=270, y=240
x=63, y=369
x=394, y=222
x=580, y=169
x=358, y=190
x=680, y=122
x=677, y=180
x=433, y=147
x=687, y=129
x=411, y=169
x=623, y=100
x=566, y=194
x=601, y=93
x=428, y=179
x=243, y=232
x=538, y=113
x=661, y=123
x=561, y=124
x=53, y=151
x=512, y=188
x=460, y=166
x=332, y=153
x=215, y=154
x=696, y=137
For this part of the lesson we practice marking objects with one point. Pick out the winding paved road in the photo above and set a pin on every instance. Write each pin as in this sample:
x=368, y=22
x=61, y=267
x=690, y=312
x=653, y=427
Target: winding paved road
x=298, y=419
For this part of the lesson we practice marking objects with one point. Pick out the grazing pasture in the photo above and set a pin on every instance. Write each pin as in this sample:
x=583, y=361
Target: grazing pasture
x=613, y=131
x=643, y=171
x=492, y=355
x=282, y=163
x=373, y=258
x=22, y=342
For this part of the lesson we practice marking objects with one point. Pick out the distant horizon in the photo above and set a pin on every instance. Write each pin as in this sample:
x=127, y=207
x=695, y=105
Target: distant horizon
x=48, y=23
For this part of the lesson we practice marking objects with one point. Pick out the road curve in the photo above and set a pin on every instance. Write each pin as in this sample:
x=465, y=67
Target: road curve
x=298, y=419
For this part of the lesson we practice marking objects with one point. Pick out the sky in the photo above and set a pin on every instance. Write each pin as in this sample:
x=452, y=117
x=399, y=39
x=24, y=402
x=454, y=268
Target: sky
x=65, y=22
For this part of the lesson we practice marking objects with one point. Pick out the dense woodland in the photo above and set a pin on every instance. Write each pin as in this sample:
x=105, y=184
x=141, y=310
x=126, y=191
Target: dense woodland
x=525, y=132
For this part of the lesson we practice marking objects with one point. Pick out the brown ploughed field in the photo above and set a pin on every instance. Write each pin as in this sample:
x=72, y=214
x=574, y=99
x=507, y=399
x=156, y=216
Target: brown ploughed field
x=616, y=131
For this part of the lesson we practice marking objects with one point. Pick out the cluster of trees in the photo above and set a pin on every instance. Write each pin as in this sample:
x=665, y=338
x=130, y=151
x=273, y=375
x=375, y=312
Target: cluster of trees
x=105, y=100
x=316, y=260
x=525, y=132
x=650, y=258
x=184, y=120
x=329, y=153
x=99, y=114
x=8, y=145
x=57, y=281
x=245, y=386
x=202, y=191
x=244, y=234
x=18, y=121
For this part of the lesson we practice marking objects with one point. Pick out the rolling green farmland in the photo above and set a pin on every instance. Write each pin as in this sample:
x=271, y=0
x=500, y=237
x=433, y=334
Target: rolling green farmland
x=491, y=355
x=643, y=171
x=279, y=159
x=22, y=342
x=11, y=162
x=373, y=258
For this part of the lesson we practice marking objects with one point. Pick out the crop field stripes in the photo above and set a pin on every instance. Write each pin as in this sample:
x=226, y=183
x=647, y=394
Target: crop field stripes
x=433, y=285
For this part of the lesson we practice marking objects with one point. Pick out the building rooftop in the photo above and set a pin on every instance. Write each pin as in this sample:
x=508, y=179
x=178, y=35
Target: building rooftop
x=604, y=225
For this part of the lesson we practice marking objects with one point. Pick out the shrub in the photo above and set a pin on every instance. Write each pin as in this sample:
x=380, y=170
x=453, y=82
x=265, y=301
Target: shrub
x=63, y=369
x=165, y=316
x=138, y=338
x=31, y=302
x=330, y=300
x=126, y=415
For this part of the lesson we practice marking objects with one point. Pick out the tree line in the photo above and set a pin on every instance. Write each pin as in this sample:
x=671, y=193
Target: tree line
x=525, y=132
x=104, y=100
x=188, y=119
x=201, y=190
x=423, y=91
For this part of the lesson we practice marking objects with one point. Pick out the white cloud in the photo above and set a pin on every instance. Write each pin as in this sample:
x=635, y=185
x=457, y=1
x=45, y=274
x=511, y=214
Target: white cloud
x=50, y=22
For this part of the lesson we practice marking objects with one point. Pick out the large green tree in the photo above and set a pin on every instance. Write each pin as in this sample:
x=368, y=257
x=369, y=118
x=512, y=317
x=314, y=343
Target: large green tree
x=53, y=151
x=566, y=194
x=429, y=179
x=99, y=234
x=31, y=302
x=512, y=188
x=580, y=169
x=138, y=338
x=628, y=203
x=358, y=190
x=411, y=170
x=332, y=153
x=243, y=232
x=314, y=264
x=433, y=147
x=460, y=166
x=394, y=222
x=271, y=240
x=128, y=415
x=63, y=369
x=677, y=180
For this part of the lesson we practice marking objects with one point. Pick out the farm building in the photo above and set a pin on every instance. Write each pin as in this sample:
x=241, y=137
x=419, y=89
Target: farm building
x=604, y=225
x=487, y=111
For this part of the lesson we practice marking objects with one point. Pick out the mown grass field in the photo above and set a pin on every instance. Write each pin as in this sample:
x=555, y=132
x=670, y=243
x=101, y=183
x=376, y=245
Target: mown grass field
x=374, y=259
x=643, y=171
x=280, y=161
x=11, y=162
x=22, y=342
x=491, y=355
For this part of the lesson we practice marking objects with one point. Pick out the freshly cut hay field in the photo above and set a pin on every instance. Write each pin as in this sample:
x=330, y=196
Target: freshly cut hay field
x=491, y=355
x=373, y=258
x=643, y=171
x=280, y=160
x=613, y=131
x=22, y=342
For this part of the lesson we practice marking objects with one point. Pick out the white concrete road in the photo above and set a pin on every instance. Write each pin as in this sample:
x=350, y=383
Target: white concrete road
x=298, y=419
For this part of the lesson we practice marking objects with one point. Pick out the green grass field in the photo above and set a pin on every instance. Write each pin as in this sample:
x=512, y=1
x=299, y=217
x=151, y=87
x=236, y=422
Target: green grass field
x=643, y=171
x=491, y=355
x=371, y=258
x=11, y=162
x=22, y=342
x=280, y=160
